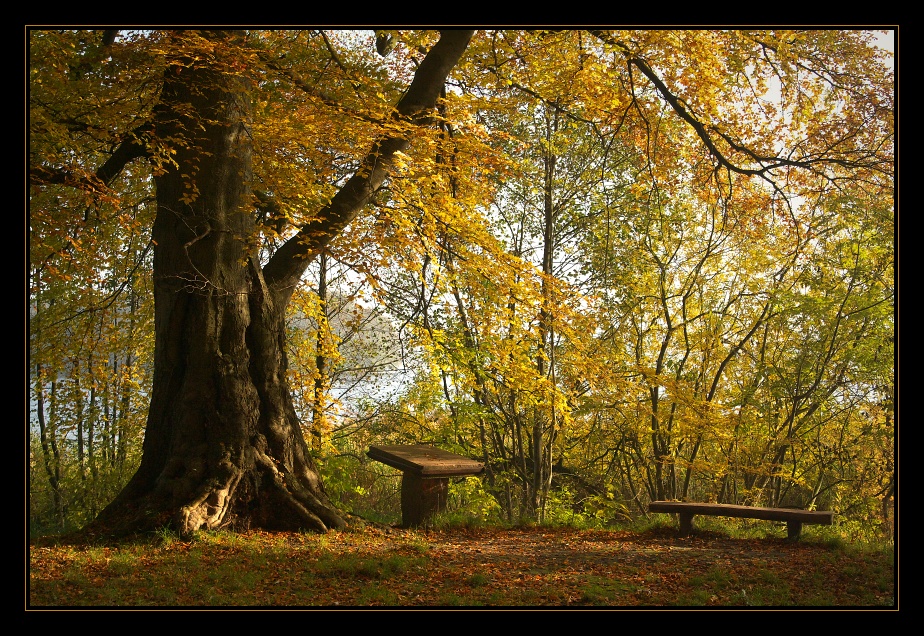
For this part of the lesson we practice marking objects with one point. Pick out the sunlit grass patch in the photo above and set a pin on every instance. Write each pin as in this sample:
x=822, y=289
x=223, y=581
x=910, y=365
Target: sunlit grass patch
x=477, y=580
x=597, y=590
x=384, y=567
x=377, y=594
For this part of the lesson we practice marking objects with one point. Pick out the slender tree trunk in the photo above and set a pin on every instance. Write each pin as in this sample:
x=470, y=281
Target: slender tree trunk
x=318, y=422
x=107, y=419
x=122, y=424
x=91, y=453
x=50, y=456
x=544, y=422
x=79, y=407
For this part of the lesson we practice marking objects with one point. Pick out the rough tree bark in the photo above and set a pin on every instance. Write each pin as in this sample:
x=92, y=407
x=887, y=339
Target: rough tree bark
x=223, y=444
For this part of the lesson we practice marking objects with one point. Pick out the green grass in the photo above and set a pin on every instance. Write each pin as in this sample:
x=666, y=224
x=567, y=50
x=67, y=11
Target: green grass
x=605, y=591
x=477, y=580
x=380, y=567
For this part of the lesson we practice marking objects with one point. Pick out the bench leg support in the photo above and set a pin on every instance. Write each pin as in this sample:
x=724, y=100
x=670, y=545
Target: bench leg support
x=686, y=523
x=421, y=498
x=793, y=530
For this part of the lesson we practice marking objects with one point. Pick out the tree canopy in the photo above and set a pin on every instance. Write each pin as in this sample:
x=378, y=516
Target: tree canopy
x=616, y=265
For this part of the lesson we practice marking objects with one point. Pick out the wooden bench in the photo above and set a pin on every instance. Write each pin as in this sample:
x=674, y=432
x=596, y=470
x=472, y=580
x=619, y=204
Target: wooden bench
x=425, y=477
x=793, y=517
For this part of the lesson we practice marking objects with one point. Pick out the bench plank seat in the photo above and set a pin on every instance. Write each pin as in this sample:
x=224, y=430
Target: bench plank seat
x=426, y=461
x=793, y=517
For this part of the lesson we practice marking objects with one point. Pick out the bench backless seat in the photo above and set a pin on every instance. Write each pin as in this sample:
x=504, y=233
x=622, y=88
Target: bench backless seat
x=793, y=517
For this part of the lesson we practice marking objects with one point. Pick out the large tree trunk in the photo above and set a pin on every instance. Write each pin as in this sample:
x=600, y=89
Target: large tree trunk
x=223, y=445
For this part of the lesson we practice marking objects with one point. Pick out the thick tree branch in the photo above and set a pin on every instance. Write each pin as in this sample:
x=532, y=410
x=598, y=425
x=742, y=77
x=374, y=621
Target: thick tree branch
x=130, y=149
x=290, y=261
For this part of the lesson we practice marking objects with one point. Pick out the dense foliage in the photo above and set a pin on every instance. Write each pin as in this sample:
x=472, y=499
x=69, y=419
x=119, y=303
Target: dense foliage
x=623, y=266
